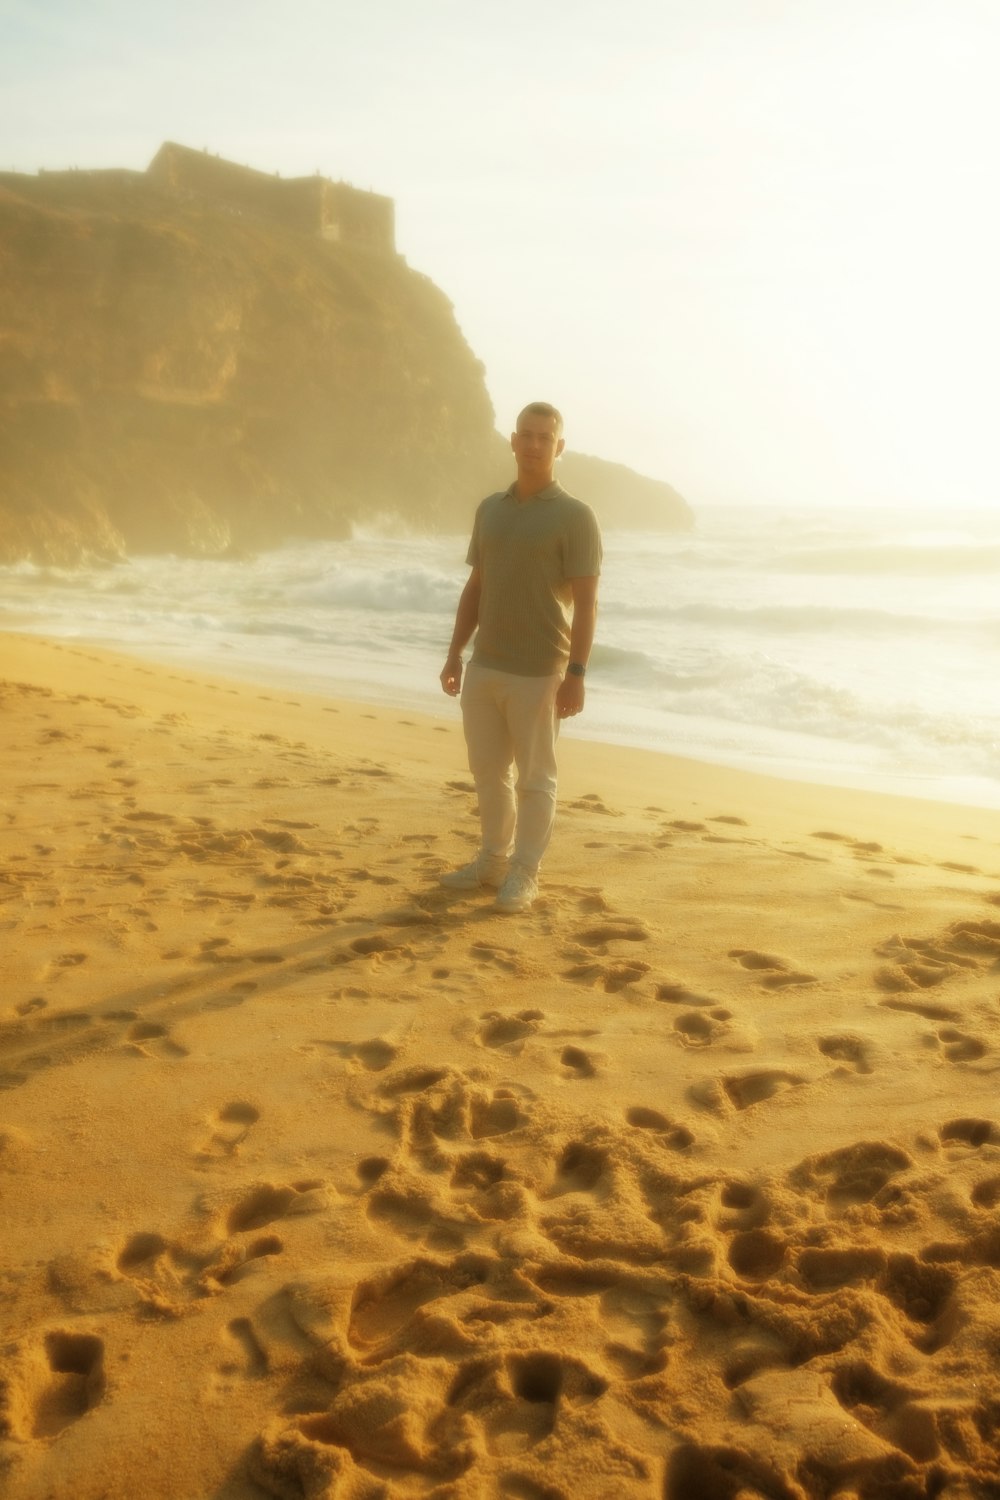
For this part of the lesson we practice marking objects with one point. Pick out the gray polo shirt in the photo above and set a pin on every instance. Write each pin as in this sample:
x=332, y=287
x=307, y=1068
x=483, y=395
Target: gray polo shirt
x=527, y=552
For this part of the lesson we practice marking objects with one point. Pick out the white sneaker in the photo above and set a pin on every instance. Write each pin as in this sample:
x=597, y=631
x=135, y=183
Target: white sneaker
x=485, y=869
x=518, y=891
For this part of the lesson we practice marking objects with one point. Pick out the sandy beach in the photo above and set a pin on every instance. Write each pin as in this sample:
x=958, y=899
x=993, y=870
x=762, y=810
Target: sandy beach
x=317, y=1180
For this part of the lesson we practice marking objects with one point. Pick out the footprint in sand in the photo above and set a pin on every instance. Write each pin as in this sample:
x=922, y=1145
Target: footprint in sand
x=743, y=1206
x=235, y=995
x=168, y=1276
x=378, y=948
x=591, y=802
x=371, y=1169
x=761, y=1350
x=696, y=1029
x=905, y=977
x=373, y=1055
x=775, y=972
x=411, y=1081
x=969, y=1132
x=674, y=1135
x=504, y=1404
x=477, y=1170
x=371, y=770
x=851, y=1175
x=383, y=1304
x=57, y=1389
x=236, y=1260
x=742, y=1091
x=494, y=953
x=755, y=1088
x=508, y=1033
x=611, y=977
x=848, y=1050
x=756, y=1254
x=591, y=901
x=230, y=1127
x=244, y=1356
x=576, y=1063
x=26, y=1007
x=986, y=1194
x=922, y=963
x=267, y=1202
x=958, y=1047
x=920, y=1291
x=150, y=1039
x=885, y=1406
x=492, y=1115
x=826, y=1270
x=580, y=1169
x=407, y=1211
x=638, y=1327
x=679, y=994
x=483, y=1182
x=927, y=1011
x=140, y=1253
x=541, y=1385
x=598, y=938
x=59, y=966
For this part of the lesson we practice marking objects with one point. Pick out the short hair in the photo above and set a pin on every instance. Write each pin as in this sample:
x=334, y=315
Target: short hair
x=542, y=409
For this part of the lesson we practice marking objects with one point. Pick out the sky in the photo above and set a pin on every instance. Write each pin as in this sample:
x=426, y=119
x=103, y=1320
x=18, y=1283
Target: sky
x=747, y=246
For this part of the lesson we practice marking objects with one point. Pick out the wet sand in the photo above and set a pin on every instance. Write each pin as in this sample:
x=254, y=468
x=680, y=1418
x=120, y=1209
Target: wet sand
x=317, y=1180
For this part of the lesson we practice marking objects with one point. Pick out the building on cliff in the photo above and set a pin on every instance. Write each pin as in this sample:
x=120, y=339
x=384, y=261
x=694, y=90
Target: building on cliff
x=314, y=205
x=203, y=359
x=311, y=205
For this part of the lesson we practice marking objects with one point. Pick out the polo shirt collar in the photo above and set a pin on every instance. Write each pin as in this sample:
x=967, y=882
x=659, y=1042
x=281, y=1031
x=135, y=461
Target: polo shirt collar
x=551, y=492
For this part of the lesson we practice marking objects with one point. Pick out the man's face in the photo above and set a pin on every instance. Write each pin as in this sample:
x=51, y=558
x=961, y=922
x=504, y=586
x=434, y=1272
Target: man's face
x=536, y=443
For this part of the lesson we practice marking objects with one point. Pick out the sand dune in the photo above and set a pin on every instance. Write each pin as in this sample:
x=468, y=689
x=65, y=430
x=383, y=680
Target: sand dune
x=320, y=1181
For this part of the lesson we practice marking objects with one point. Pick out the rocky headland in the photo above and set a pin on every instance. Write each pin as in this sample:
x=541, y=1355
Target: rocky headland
x=202, y=358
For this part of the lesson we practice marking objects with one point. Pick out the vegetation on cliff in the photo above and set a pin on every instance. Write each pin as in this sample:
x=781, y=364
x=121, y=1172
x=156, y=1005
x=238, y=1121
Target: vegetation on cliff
x=179, y=373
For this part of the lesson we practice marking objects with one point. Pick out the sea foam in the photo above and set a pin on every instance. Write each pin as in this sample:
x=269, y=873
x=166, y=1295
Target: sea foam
x=860, y=650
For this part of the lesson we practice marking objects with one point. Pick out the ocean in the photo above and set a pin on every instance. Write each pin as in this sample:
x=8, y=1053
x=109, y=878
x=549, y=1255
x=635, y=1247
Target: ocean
x=851, y=649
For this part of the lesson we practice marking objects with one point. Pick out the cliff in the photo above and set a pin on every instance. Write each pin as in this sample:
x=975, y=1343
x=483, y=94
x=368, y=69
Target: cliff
x=185, y=369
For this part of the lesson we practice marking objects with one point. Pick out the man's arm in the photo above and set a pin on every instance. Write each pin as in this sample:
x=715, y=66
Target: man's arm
x=466, y=620
x=570, y=694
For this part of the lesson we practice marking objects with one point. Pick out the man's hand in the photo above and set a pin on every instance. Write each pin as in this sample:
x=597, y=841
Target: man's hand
x=451, y=676
x=569, y=697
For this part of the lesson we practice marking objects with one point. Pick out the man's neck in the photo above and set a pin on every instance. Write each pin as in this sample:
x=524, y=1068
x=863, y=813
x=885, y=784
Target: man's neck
x=527, y=485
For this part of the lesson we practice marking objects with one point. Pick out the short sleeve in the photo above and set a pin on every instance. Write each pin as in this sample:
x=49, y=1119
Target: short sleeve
x=472, y=557
x=584, y=552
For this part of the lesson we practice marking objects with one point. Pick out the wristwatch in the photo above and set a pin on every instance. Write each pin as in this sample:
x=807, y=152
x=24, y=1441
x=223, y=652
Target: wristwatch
x=576, y=669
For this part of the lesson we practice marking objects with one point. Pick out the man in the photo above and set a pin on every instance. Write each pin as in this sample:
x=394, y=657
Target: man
x=531, y=600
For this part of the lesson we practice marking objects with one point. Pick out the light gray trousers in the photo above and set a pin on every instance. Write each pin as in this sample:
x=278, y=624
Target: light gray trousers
x=509, y=722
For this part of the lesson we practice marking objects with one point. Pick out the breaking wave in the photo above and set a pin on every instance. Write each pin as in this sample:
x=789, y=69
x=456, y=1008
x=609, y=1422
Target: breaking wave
x=858, y=645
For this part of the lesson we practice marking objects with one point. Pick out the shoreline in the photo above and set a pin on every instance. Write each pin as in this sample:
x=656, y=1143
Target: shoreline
x=685, y=1182
x=961, y=792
